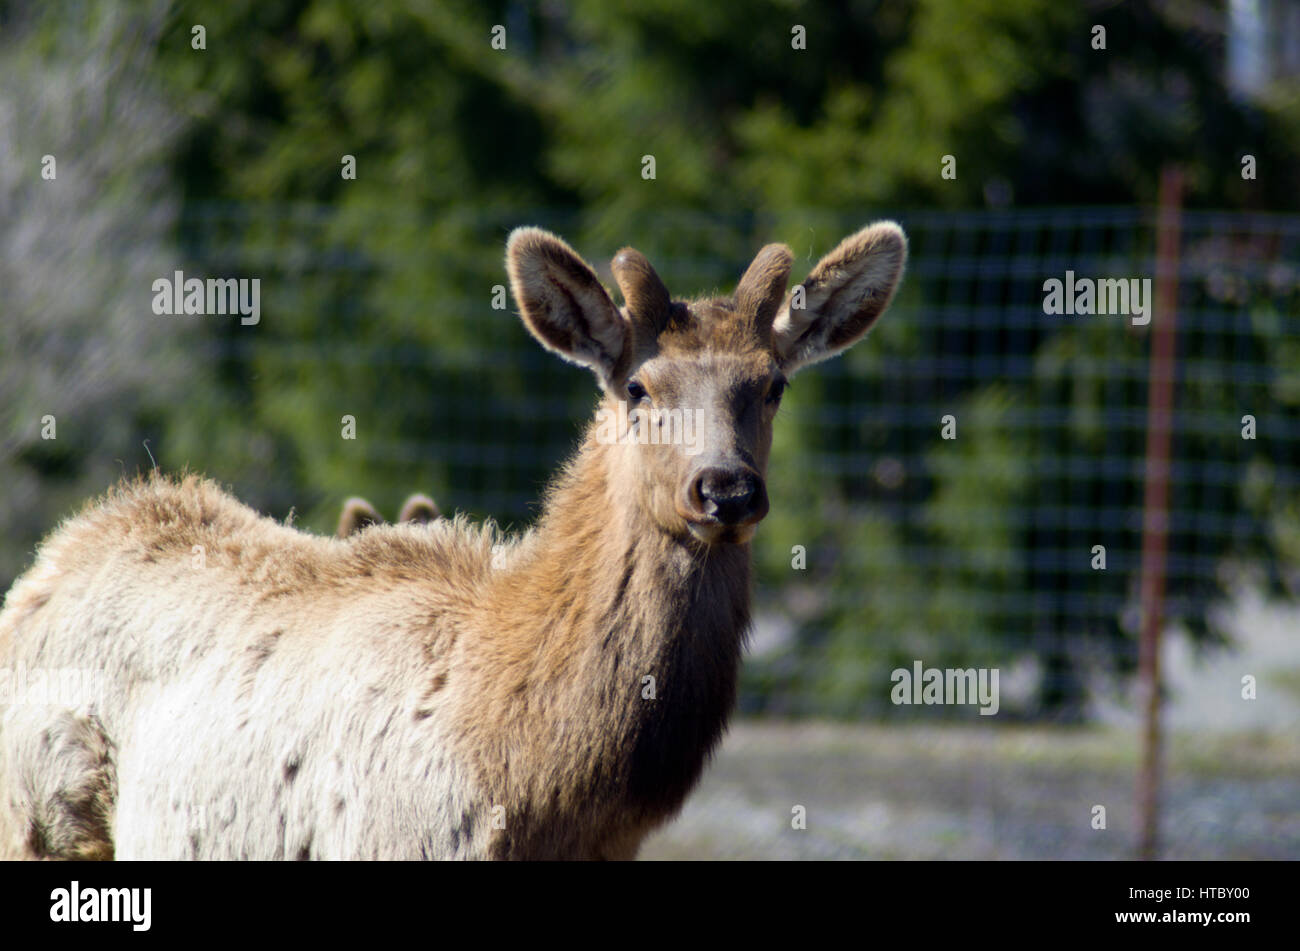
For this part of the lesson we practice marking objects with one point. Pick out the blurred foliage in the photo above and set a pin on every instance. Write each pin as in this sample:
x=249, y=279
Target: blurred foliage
x=376, y=292
x=83, y=379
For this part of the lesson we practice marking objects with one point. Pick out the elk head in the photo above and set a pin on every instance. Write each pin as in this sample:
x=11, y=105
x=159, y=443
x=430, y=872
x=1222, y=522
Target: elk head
x=691, y=388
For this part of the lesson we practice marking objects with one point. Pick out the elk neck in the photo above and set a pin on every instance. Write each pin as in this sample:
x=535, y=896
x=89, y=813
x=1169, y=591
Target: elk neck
x=597, y=600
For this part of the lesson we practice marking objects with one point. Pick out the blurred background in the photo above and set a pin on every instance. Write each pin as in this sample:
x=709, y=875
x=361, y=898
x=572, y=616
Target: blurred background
x=1013, y=140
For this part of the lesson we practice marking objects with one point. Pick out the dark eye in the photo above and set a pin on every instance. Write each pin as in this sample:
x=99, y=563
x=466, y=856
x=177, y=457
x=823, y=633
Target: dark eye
x=635, y=391
x=777, y=389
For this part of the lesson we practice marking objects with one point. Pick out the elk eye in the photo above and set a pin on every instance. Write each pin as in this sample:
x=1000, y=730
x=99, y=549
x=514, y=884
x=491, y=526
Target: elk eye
x=635, y=391
x=777, y=389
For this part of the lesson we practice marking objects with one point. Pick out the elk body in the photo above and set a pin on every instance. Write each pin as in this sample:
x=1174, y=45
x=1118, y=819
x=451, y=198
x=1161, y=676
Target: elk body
x=264, y=693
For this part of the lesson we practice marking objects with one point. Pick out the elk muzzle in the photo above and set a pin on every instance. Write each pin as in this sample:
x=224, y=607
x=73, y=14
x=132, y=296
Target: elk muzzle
x=723, y=504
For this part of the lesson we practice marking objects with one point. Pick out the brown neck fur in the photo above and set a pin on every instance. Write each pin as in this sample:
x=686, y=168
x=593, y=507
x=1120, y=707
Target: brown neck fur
x=595, y=601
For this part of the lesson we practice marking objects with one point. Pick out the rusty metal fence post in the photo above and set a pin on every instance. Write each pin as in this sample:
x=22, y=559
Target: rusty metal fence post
x=1155, y=506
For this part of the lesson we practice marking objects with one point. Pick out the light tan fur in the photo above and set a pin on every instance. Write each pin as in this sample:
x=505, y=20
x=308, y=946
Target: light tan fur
x=439, y=690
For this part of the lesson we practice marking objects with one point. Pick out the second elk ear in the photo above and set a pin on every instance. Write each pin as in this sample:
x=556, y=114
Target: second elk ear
x=843, y=297
x=420, y=509
x=357, y=515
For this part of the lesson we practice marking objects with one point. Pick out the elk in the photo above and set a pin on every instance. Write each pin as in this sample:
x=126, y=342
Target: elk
x=358, y=514
x=265, y=693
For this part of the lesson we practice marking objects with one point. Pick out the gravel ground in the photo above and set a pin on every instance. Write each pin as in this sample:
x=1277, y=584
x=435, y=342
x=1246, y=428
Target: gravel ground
x=1004, y=791
x=958, y=792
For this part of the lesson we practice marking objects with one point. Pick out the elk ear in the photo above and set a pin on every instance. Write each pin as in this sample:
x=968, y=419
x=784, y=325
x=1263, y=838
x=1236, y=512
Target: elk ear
x=357, y=514
x=563, y=304
x=842, y=297
x=419, y=508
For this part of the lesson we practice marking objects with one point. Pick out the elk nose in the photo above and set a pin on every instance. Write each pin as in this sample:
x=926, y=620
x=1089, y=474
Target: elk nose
x=731, y=496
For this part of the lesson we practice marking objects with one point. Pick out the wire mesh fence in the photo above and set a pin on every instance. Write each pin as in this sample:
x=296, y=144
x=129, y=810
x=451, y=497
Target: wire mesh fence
x=964, y=489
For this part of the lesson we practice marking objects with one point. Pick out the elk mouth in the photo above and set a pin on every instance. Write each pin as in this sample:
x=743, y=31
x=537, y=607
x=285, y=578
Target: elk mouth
x=714, y=531
x=718, y=533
